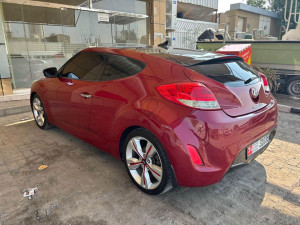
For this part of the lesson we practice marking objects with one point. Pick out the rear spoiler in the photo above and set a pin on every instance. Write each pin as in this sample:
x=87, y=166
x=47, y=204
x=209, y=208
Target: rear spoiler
x=219, y=59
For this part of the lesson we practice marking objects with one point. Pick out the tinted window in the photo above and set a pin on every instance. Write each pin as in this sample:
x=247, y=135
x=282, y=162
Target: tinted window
x=85, y=66
x=229, y=72
x=120, y=67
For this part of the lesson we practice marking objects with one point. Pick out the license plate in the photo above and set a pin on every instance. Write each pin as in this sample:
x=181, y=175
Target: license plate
x=258, y=145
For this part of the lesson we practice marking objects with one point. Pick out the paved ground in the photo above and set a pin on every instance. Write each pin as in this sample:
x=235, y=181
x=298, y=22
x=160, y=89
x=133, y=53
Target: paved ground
x=86, y=186
x=288, y=100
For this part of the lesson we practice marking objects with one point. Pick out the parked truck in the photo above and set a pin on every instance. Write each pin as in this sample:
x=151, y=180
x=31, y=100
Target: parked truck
x=281, y=56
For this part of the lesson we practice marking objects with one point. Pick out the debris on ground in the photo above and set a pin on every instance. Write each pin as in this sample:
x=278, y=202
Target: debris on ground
x=42, y=167
x=29, y=193
x=41, y=213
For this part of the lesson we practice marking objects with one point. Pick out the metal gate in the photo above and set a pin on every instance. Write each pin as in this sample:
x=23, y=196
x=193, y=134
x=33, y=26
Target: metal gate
x=187, y=32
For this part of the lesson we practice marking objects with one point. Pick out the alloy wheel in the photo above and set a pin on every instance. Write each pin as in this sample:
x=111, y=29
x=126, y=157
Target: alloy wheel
x=295, y=86
x=144, y=163
x=38, y=112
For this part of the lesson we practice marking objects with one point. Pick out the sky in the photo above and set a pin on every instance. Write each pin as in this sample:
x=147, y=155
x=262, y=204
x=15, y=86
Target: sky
x=224, y=5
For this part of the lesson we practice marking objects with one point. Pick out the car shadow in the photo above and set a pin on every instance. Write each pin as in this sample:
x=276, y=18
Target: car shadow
x=241, y=188
x=236, y=199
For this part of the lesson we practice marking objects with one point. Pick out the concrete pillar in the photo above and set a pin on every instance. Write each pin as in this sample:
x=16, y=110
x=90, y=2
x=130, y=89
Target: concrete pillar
x=5, y=82
x=157, y=21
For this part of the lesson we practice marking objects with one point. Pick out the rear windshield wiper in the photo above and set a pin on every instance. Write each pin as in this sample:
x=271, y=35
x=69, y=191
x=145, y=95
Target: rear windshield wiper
x=250, y=79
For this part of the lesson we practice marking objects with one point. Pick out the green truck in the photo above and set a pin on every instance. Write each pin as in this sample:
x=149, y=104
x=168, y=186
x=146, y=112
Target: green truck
x=281, y=56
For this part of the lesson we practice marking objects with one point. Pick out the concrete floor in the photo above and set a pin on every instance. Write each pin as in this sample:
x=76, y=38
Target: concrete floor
x=83, y=185
x=288, y=100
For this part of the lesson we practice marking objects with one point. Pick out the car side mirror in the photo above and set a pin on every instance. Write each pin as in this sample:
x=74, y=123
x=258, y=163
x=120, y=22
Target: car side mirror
x=50, y=72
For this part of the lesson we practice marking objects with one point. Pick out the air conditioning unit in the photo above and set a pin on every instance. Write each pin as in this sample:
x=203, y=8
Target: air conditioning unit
x=255, y=32
x=171, y=14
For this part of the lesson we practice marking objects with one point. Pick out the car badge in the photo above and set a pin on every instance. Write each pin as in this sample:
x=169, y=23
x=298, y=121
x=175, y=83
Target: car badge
x=253, y=93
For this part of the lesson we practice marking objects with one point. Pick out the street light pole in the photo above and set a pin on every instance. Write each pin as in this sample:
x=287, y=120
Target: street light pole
x=224, y=41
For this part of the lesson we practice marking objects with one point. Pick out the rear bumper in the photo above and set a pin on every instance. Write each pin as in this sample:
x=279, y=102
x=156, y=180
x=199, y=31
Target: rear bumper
x=221, y=141
x=242, y=157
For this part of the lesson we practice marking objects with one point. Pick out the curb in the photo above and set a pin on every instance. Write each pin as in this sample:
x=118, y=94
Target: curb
x=15, y=110
x=288, y=109
x=15, y=97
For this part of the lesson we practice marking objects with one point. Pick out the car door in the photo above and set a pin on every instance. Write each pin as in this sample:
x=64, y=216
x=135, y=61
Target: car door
x=70, y=102
x=113, y=92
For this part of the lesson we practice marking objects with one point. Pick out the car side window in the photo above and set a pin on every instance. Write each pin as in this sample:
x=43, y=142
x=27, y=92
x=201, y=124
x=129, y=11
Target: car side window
x=119, y=66
x=85, y=66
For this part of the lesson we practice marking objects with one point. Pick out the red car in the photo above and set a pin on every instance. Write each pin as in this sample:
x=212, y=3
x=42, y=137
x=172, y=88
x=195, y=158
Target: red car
x=175, y=117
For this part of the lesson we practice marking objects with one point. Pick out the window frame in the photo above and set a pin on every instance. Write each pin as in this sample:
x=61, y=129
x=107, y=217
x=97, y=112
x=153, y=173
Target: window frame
x=60, y=71
x=106, y=64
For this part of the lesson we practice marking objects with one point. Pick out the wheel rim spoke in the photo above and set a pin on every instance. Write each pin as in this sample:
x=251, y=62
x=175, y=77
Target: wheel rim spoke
x=134, y=163
x=137, y=177
x=137, y=147
x=146, y=178
x=36, y=106
x=42, y=118
x=156, y=171
x=150, y=150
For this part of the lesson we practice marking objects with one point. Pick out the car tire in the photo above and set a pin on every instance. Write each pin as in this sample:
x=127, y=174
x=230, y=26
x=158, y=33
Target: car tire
x=149, y=166
x=293, y=86
x=39, y=113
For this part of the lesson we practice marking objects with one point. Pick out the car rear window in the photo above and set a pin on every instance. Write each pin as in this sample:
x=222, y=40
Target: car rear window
x=229, y=72
x=120, y=66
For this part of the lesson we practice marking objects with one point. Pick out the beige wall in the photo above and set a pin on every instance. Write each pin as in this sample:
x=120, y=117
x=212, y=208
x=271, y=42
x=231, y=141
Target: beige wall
x=6, y=86
x=157, y=21
x=250, y=19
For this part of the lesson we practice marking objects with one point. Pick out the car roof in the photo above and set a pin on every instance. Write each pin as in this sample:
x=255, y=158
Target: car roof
x=185, y=57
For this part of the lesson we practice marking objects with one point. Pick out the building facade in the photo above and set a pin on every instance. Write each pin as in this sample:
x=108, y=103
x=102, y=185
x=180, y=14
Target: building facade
x=246, y=18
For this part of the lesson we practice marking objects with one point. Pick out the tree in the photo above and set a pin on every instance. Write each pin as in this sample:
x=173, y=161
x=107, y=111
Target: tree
x=278, y=6
x=257, y=3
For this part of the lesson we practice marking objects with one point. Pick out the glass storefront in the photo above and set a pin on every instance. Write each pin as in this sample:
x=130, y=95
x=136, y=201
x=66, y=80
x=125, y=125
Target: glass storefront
x=41, y=37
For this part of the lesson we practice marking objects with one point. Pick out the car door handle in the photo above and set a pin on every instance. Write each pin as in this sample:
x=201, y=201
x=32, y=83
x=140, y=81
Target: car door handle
x=85, y=95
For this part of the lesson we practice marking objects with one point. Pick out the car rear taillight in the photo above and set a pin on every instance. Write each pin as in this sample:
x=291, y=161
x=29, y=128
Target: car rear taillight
x=265, y=83
x=192, y=94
